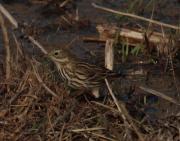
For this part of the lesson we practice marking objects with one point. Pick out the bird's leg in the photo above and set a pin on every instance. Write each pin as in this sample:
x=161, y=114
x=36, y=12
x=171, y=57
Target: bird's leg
x=95, y=92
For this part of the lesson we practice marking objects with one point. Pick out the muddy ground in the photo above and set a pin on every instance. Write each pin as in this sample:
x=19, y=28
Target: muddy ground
x=29, y=112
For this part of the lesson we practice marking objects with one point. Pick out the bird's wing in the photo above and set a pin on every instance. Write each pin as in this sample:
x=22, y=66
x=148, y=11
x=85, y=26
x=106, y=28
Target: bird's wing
x=92, y=72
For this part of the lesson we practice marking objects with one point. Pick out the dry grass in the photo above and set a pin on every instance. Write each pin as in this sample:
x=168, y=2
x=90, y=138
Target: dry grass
x=37, y=106
x=30, y=112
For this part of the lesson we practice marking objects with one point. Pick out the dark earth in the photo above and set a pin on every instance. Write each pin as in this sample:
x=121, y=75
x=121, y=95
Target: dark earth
x=56, y=27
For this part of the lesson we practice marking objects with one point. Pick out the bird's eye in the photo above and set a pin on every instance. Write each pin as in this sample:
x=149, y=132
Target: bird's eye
x=56, y=53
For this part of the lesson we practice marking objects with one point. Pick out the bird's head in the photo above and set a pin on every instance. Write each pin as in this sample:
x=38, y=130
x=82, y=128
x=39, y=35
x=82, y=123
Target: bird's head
x=59, y=55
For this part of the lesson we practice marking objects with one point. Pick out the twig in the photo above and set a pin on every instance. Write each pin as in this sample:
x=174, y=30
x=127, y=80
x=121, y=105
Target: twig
x=124, y=113
x=6, y=46
x=174, y=75
x=64, y=3
x=93, y=39
x=8, y=16
x=135, y=16
x=115, y=101
x=77, y=15
x=159, y=94
x=72, y=41
x=66, y=114
x=87, y=129
x=105, y=106
x=39, y=2
x=61, y=133
x=21, y=87
x=17, y=44
x=37, y=44
x=41, y=81
x=102, y=136
x=50, y=123
x=152, y=15
x=66, y=20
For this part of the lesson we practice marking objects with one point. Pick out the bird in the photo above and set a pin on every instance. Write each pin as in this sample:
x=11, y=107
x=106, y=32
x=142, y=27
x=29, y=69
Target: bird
x=78, y=74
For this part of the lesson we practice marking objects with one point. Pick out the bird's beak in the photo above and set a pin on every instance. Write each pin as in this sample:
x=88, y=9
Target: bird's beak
x=47, y=55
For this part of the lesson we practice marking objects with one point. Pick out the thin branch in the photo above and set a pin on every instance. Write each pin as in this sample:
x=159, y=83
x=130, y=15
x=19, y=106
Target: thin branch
x=87, y=129
x=61, y=133
x=115, y=101
x=72, y=41
x=103, y=137
x=124, y=113
x=174, y=74
x=50, y=123
x=159, y=94
x=6, y=46
x=18, y=45
x=64, y=3
x=8, y=16
x=105, y=106
x=37, y=44
x=41, y=81
x=135, y=16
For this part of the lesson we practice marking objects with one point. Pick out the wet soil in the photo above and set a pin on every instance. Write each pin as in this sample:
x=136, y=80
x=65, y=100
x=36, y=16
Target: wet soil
x=44, y=22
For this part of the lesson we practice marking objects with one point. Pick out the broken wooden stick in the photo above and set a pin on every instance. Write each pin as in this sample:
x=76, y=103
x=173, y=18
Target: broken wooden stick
x=109, y=54
x=154, y=40
x=135, y=36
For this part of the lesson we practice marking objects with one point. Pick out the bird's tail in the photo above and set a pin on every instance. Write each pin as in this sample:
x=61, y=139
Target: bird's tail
x=118, y=74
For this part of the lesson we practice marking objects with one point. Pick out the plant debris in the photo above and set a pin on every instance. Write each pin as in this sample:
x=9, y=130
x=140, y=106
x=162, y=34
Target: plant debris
x=35, y=104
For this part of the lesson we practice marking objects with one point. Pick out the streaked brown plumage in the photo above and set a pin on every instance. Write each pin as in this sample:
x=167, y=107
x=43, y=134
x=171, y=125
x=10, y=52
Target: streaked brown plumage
x=78, y=74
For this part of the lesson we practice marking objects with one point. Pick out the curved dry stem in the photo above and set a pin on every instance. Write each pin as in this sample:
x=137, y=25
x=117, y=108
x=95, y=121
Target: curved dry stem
x=135, y=16
x=41, y=81
x=6, y=46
